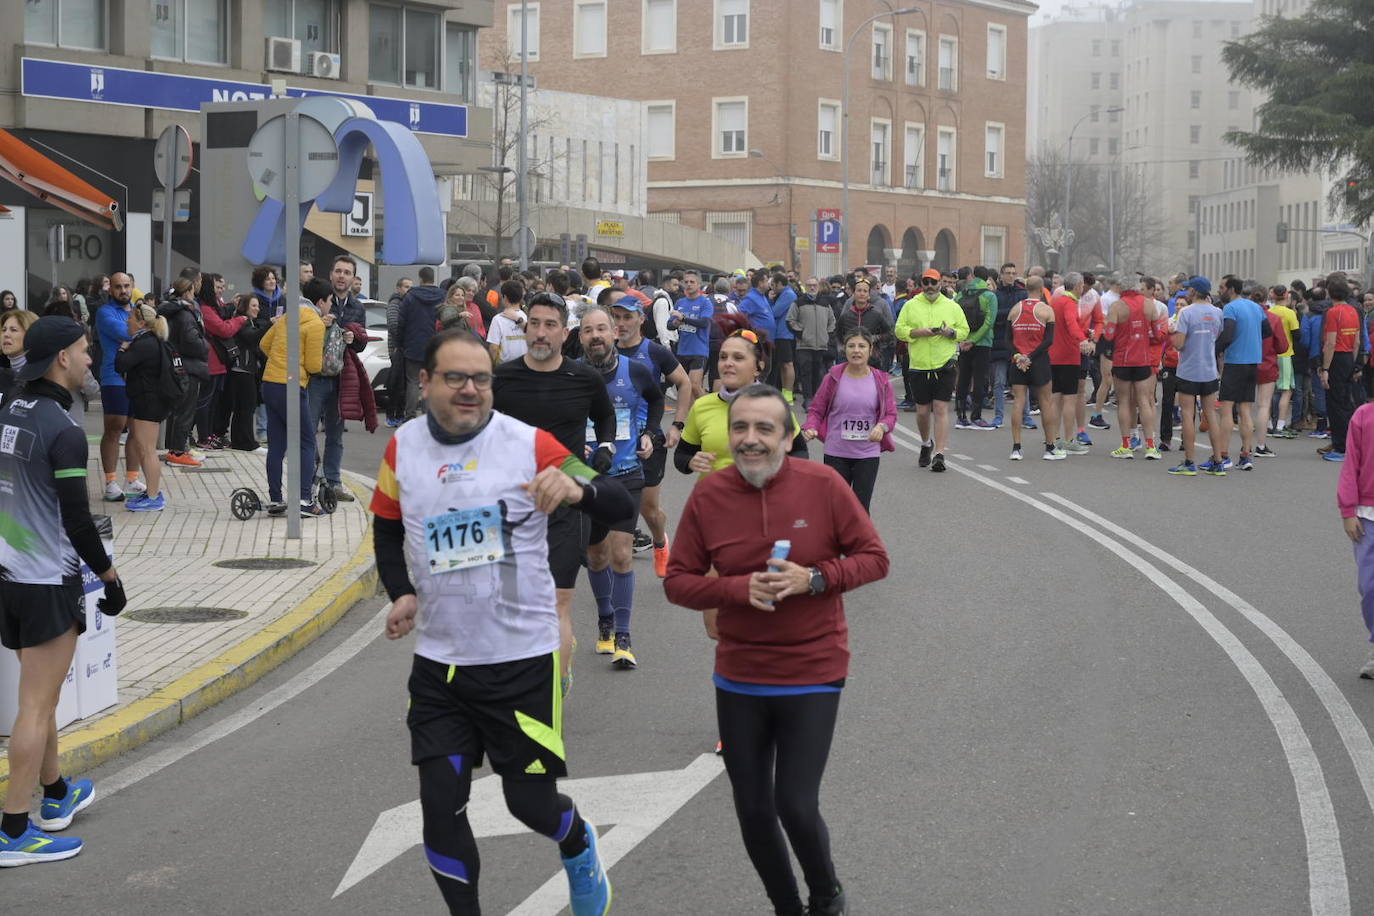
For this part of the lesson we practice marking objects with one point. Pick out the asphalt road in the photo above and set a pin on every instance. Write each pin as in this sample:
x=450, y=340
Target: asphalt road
x=1152, y=708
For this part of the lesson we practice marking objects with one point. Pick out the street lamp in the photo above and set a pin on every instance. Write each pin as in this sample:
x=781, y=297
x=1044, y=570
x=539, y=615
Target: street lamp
x=791, y=226
x=1054, y=237
x=497, y=227
x=844, y=128
x=1068, y=163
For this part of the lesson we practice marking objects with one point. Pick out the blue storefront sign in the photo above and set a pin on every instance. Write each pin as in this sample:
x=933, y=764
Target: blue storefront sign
x=55, y=79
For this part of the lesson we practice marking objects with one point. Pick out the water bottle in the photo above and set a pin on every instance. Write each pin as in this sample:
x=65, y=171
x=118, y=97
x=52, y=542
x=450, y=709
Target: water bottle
x=780, y=551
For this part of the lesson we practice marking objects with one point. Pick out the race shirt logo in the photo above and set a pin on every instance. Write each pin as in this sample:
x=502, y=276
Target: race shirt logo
x=457, y=473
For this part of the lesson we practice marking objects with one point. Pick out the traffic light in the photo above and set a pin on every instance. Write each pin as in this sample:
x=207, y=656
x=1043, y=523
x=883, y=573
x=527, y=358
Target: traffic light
x=1352, y=191
x=1281, y=233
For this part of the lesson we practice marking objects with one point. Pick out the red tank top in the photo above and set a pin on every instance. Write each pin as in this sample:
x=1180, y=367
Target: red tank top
x=1132, y=343
x=1027, y=331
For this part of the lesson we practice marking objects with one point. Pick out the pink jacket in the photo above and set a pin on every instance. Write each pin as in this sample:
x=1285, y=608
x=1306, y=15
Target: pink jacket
x=818, y=413
x=222, y=329
x=1356, y=486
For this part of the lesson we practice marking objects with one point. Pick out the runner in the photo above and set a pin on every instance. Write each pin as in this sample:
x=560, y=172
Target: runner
x=783, y=655
x=638, y=404
x=854, y=413
x=932, y=324
x=48, y=534
x=1032, y=336
x=1197, y=326
x=1134, y=326
x=560, y=396
x=1242, y=339
x=112, y=331
x=461, y=507
x=1339, y=363
x=1070, y=345
x=1355, y=498
x=691, y=318
x=1279, y=299
x=1268, y=373
x=665, y=370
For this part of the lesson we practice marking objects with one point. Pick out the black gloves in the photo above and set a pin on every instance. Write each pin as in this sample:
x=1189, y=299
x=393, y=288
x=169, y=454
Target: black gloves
x=114, y=600
x=601, y=459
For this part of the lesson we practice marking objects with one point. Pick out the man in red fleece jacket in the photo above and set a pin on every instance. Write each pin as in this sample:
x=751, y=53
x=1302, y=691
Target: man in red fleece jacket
x=783, y=653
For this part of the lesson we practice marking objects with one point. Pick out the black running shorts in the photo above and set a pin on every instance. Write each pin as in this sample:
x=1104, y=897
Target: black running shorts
x=1238, y=382
x=928, y=385
x=1131, y=373
x=31, y=615
x=1065, y=379
x=511, y=712
x=567, y=545
x=1196, y=389
x=1036, y=376
x=634, y=484
x=655, y=464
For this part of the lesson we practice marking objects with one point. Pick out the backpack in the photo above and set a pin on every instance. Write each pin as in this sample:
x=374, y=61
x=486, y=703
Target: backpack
x=171, y=375
x=651, y=329
x=971, y=302
x=333, y=350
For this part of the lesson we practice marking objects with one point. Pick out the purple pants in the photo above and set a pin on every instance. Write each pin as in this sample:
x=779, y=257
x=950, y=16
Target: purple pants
x=1364, y=565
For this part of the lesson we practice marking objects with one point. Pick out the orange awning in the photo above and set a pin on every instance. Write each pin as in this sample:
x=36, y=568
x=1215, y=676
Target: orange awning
x=50, y=182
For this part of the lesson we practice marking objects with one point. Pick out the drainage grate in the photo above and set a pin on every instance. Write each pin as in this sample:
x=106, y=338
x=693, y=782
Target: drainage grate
x=264, y=563
x=185, y=615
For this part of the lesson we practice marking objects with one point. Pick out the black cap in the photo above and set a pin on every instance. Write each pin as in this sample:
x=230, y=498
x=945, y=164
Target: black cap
x=45, y=338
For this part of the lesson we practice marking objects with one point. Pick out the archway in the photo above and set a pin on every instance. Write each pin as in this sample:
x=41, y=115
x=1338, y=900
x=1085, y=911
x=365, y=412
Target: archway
x=910, y=261
x=945, y=251
x=879, y=240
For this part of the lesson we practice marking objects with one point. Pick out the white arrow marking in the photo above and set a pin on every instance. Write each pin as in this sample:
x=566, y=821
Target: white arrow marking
x=636, y=803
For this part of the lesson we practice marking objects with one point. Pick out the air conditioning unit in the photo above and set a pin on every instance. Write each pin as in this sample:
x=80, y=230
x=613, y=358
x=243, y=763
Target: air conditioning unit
x=283, y=55
x=323, y=65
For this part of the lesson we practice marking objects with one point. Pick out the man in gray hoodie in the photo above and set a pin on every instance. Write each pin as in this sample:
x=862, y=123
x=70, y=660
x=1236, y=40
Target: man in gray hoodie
x=813, y=323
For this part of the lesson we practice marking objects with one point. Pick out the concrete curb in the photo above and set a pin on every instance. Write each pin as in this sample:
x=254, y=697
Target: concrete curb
x=221, y=677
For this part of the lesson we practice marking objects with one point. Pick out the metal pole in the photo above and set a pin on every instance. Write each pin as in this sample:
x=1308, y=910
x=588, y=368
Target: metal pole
x=521, y=165
x=292, y=199
x=169, y=196
x=1111, y=219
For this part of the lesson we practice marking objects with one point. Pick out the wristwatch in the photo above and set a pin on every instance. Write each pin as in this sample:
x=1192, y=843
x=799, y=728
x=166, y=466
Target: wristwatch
x=679, y=425
x=818, y=583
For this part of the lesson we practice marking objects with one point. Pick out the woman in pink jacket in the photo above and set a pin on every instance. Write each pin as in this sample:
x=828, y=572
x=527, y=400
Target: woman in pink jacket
x=1355, y=496
x=853, y=413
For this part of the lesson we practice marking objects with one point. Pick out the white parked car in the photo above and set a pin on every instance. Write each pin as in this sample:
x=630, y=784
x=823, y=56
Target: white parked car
x=376, y=357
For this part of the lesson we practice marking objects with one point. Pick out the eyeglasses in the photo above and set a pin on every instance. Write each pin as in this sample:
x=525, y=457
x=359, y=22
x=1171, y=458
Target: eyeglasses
x=746, y=334
x=459, y=380
x=927, y=281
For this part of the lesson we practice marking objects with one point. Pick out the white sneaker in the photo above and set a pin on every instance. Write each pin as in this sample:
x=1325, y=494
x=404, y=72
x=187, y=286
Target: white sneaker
x=136, y=487
x=196, y=454
x=1367, y=669
x=113, y=494
x=1016, y=454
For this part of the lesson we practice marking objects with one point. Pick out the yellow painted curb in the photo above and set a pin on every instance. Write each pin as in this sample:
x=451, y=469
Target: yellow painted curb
x=221, y=677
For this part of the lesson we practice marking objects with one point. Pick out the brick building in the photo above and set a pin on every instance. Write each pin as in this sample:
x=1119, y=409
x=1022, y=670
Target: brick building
x=743, y=99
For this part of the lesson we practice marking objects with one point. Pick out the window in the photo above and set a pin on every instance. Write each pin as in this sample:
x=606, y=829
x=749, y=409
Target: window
x=196, y=31
x=830, y=25
x=1097, y=47
x=1114, y=81
x=734, y=227
x=1197, y=28
x=1095, y=113
x=531, y=31
x=881, y=136
x=914, y=156
x=1197, y=63
x=65, y=23
x=403, y=44
x=314, y=23
x=1093, y=145
x=1113, y=146
x=1113, y=115
x=422, y=49
x=915, y=58
x=944, y=158
x=992, y=167
x=949, y=63
x=460, y=60
x=1096, y=81
x=1194, y=168
x=589, y=28
x=660, y=27
x=1194, y=133
x=1195, y=99
x=828, y=129
x=1116, y=48
x=1235, y=29
x=730, y=117
x=882, y=51
x=997, y=52
x=1233, y=100
x=732, y=24
x=994, y=244
x=661, y=122
x=1192, y=203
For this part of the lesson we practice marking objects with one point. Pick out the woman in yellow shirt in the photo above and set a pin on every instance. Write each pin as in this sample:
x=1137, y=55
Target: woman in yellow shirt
x=274, y=394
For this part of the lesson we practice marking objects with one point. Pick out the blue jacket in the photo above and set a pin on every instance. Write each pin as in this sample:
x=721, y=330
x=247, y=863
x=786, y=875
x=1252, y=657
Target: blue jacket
x=350, y=310
x=112, y=327
x=419, y=311
x=759, y=310
x=782, y=305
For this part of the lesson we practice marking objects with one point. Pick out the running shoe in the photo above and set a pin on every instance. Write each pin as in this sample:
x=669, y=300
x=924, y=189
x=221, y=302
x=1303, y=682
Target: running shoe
x=1319, y=434
x=34, y=846
x=1367, y=669
x=1165, y=447
x=1226, y=464
x=827, y=906
x=938, y=462
x=196, y=454
x=1186, y=469
x=1285, y=433
x=605, y=636
x=981, y=424
x=720, y=745
x=1245, y=463
x=1098, y=423
x=1334, y=456
x=132, y=502
x=1028, y=423
x=313, y=510
x=1035, y=411
x=1015, y=454
x=961, y=423
x=906, y=404
x=1265, y=451
x=642, y=541
x=276, y=509
x=589, y=890
x=147, y=503
x=1135, y=443
x=56, y=814
x=1074, y=447
x=661, y=559
x=1083, y=439
x=343, y=494
x=924, y=460
x=1054, y=454
x=393, y=422
x=1152, y=454
x=113, y=494
x=1122, y=452
x=624, y=658
x=1213, y=467
x=136, y=487
x=182, y=460
x=1324, y=449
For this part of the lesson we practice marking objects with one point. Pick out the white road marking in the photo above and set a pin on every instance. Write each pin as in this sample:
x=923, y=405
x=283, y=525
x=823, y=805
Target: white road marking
x=962, y=457
x=1351, y=729
x=988, y=467
x=1328, y=888
x=1019, y=480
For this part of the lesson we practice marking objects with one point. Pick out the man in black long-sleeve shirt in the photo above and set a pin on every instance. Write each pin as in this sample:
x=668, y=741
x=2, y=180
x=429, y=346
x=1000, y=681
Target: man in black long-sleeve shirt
x=46, y=532
x=562, y=397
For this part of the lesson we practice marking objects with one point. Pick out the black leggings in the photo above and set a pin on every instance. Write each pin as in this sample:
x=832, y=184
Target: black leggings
x=973, y=381
x=451, y=850
x=775, y=754
x=859, y=473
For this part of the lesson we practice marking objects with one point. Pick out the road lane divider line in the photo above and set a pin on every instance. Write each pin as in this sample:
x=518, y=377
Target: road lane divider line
x=961, y=457
x=1328, y=887
x=1020, y=480
x=1354, y=735
x=988, y=467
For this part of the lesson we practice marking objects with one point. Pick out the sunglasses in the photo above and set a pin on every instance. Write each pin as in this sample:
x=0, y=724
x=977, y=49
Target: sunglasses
x=927, y=281
x=747, y=335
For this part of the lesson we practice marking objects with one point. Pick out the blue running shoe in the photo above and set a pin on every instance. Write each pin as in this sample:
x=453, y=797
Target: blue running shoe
x=1084, y=439
x=1135, y=443
x=1226, y=464
x=34, y=846
x=56, y=814
x=1186, y=469
x=148, y=504
x=1212, y=467
x=393, y=422
x=589, y=890
x=1333, y=456
x=1028, y=423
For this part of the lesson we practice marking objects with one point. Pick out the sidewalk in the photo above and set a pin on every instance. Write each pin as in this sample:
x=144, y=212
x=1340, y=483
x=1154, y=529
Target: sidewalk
x=169, y=672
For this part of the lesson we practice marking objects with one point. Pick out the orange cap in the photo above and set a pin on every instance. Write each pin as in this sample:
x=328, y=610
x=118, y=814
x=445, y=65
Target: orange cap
x=931, y=274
